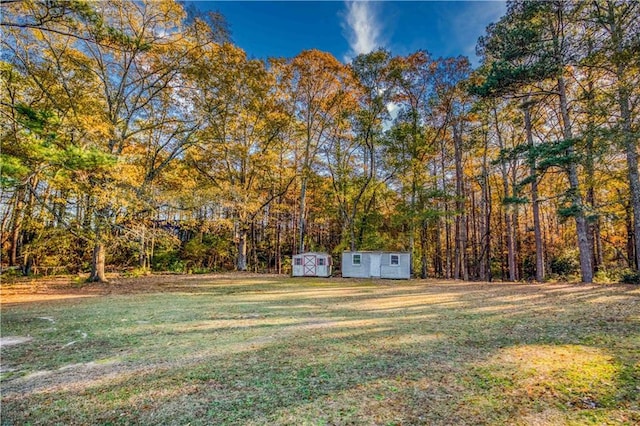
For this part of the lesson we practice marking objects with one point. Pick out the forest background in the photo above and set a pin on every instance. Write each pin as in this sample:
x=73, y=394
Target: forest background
x=136, y=136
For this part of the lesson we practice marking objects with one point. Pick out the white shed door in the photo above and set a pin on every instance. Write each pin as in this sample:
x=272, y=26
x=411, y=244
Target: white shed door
x=375, y=264
x=309, y=264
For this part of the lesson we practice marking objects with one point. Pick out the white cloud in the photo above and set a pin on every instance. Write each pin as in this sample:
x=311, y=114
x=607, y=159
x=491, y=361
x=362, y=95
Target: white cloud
x=362, y=27
x=393, y=109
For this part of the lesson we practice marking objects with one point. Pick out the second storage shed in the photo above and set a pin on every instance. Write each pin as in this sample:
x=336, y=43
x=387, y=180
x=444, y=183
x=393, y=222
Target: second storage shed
x=376, y=264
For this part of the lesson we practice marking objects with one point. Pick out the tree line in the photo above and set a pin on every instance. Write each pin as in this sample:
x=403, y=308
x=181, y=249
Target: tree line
x=137, y=135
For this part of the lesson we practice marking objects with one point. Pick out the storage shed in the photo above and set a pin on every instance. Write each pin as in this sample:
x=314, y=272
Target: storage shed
x=311, y=264
x=376, y=264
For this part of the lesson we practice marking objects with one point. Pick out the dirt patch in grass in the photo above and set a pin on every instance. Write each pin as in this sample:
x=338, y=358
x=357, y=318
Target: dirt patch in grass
x=14, y=340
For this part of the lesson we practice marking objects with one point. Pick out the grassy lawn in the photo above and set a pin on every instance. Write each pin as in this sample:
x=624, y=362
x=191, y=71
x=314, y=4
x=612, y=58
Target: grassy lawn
x=269, y=350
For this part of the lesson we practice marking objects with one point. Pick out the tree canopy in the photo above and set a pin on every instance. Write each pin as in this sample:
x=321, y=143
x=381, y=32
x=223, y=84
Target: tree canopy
x=137, y=136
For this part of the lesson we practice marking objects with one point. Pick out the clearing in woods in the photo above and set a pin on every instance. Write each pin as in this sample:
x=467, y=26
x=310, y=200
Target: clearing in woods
x=252, y=349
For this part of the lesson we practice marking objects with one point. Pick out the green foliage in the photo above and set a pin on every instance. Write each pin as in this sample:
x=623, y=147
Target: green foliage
x=565, y=264
x=12, y=170
x=503, y=77
x=9, y=274
x=516, y=50
x=630, y=277
x=137, y=272
x=515, y=200
x=123, y=250
x=167, y=257
x=195, y=251
x=55, y=251
x=553, y=154
x=85, y=159
x=509, y=154
x=603, y=276
x=569, y=211
x=370, y=236
x=42, y=122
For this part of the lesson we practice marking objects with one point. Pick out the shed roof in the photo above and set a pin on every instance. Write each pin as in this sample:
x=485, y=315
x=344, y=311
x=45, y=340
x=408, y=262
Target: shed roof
x=313, y=252
x=376, y=251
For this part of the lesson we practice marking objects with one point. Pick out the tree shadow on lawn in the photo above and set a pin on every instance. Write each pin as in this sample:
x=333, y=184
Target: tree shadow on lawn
x=342, y=360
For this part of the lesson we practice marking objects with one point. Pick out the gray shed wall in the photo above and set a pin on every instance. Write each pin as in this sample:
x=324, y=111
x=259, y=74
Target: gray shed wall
x=400, y=271
x=355, y=271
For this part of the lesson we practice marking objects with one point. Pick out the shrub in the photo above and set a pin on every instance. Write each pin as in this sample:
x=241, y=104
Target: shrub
x=565, y=264
x=630, y=277
x=177, y=266
x=603, y=276
x=137, y=272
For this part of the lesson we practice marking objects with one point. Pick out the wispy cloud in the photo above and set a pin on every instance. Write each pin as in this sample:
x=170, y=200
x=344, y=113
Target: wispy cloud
x=362, y=27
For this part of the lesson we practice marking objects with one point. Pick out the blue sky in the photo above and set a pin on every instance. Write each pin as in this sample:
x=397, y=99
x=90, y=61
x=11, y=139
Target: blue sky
x=285, y=28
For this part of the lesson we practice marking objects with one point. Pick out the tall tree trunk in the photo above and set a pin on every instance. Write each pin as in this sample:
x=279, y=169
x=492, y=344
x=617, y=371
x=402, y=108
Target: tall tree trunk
x=631, y=151
x=412, y=224
x=437, y=264
x=98, y=258
x=448, y=254
x=537, y=229
x=502, y=244
x=577, y=206
x=278, y=247
x=485, y=204
x=28, y=216
x=424, y=232
x=448, y=246
x=152, y=247
x=630, y=245
x=615, y=22
x=16, y=228
x=241, y=259
x=474, y=264
x=510, y=239
x=98, y=264
x=515, y=223
x=254, y=246
x=582, y=228
x=589, y=164
x=352, y=233
x=461, y=219
x=302, y=231
x=142, y=256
